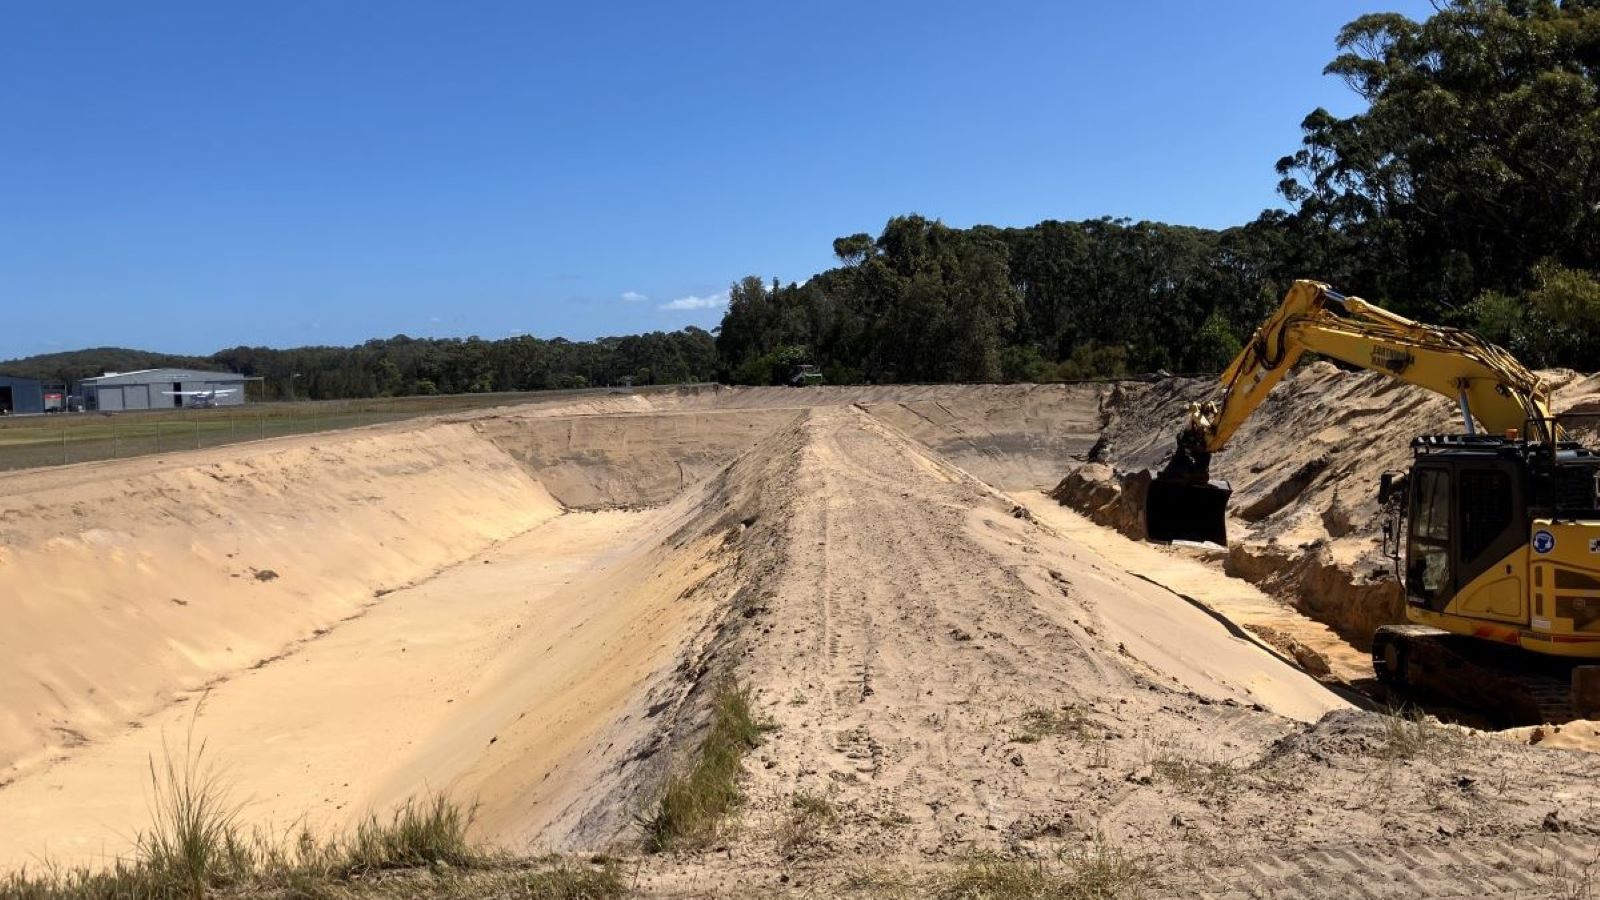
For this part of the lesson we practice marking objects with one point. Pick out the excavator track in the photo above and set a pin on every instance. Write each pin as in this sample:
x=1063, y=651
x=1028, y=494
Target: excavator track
x=1499, y=682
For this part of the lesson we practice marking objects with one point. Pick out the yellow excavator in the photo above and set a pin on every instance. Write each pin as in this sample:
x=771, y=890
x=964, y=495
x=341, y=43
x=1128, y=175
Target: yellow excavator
x=1498, y=527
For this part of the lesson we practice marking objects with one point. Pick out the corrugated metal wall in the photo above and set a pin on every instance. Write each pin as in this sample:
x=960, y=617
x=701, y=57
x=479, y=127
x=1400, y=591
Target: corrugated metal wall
x=146, y=392
x=21, y=395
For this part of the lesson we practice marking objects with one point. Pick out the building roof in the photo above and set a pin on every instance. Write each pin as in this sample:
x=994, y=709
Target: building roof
x=151, y=376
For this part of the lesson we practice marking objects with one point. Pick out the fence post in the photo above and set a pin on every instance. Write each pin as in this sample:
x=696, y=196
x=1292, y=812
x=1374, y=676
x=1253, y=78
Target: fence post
x=116, y=448
x=63, y=442
x=197, y=434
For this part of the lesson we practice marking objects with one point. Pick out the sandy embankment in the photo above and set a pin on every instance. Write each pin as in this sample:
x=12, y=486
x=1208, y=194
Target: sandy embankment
x=373, y=613
x=129, y=584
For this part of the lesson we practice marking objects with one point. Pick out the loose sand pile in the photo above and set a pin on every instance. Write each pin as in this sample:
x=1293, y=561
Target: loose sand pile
x=533, y=608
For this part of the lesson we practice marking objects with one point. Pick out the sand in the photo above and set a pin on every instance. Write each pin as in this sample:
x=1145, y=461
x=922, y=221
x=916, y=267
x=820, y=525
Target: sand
x=369, y=697
x=530, y=608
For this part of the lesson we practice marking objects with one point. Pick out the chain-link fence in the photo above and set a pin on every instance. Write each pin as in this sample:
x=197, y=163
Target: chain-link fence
x=64, y=438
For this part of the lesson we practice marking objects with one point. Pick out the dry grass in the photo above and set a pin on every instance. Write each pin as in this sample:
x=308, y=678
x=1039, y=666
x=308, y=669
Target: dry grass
x=1039, y=723
x=1192, y=774
x=570, y=882
x=883, y=884
x=808, y=815
x=694, y=803
x=1099, y=872
x=195, y=847
x=1411, y=733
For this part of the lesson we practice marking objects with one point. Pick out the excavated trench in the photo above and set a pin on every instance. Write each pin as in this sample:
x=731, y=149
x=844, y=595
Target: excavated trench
x=408, y=595
x=528, y=607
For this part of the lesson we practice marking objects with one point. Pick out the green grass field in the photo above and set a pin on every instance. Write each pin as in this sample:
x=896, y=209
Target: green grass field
x=32, y=441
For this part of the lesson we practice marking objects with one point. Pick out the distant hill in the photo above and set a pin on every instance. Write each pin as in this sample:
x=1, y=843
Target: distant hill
x=400, y=365
x=73, y=365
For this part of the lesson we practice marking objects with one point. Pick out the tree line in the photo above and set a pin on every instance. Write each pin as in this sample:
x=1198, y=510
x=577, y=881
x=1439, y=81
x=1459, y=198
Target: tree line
x=401, y=366
x=1466, y=193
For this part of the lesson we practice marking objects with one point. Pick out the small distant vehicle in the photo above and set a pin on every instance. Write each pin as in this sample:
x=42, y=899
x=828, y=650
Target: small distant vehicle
x=200, y=399
x=805, y=376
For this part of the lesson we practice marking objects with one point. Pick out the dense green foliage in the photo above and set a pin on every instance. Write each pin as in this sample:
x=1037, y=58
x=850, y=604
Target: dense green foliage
x=1477, y=158
x=1467, y=192
x=72, y=365
x=402, y=366
x=927, y=302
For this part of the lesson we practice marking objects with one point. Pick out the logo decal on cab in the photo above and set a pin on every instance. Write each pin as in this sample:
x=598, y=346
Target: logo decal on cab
x=1544, y=542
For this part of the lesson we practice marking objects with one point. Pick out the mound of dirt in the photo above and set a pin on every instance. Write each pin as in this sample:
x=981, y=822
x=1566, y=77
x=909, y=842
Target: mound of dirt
x=1304, y=518
x=1108, y=497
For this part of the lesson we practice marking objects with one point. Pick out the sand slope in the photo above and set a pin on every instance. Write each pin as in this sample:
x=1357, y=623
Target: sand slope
x=126, y=584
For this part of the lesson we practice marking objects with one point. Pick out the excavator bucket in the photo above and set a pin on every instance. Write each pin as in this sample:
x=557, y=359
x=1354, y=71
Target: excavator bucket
x=1178, y=510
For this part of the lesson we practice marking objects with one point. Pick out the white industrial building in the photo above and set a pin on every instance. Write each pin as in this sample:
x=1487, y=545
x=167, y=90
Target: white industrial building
x=162, y=389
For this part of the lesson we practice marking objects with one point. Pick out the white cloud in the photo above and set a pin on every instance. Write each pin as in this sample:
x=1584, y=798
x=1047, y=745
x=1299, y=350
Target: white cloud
x=634, y=297
x=713, y=301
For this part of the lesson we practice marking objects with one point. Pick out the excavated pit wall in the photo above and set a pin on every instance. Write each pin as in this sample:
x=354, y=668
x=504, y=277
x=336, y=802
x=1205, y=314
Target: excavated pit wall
x=629, y=460
x=1304, y=519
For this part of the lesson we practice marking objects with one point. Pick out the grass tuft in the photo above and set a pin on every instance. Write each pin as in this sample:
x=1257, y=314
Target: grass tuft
x=694, y=803
x=1039, y=722
x=1194, y=771
x=808, y=815
x=424, y=832
x=565, y=882
x=1411, y=733
x=194, y=841
x=1100, y=872
x=195, y=847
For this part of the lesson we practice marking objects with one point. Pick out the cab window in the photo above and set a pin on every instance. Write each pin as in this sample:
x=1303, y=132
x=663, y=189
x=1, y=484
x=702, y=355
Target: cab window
x=1428, y=562
x=1485, y=511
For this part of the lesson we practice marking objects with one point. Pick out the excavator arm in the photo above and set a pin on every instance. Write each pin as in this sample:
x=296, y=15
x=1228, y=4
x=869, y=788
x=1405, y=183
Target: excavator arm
x=1490, y=386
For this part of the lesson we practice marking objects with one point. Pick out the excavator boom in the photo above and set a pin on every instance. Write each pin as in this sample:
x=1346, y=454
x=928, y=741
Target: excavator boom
x=1491, y=387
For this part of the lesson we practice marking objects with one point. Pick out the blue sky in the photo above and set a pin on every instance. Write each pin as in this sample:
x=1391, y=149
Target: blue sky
x=188, y=176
